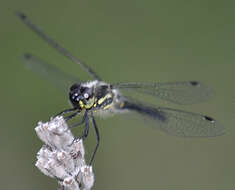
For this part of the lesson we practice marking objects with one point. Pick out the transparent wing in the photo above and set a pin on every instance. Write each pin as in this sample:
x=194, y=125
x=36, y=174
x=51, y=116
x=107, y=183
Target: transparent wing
x=54, y=44
x=187, y=124
x=178, y=122
x=49, y=72
x=176, y=92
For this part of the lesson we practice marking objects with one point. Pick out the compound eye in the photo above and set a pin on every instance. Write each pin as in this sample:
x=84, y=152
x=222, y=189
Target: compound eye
x=86, y=95
x=74, y=96
x=75, y=86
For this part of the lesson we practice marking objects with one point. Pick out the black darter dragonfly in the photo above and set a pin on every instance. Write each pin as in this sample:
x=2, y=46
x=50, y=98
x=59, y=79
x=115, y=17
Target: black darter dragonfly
x=100, y=97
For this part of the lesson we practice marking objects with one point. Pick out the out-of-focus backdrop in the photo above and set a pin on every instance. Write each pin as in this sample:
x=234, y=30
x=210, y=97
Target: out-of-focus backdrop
x=152, y=40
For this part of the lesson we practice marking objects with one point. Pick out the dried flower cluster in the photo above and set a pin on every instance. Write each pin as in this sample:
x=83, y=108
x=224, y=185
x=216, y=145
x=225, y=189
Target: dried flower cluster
x=62, y=156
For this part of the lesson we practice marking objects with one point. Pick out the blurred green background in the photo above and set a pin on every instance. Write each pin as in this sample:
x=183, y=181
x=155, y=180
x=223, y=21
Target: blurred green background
x=152, y=40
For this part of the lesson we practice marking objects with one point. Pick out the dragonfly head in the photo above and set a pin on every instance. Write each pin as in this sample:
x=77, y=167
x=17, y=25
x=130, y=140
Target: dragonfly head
x=81, y=96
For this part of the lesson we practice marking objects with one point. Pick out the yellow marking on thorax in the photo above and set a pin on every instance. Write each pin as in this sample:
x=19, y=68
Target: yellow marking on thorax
x=108, y=106
x=101, y=100
x=121, y=104
x=90, y=103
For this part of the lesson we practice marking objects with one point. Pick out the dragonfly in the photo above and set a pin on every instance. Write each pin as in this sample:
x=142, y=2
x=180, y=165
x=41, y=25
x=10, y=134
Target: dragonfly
x=98, y=97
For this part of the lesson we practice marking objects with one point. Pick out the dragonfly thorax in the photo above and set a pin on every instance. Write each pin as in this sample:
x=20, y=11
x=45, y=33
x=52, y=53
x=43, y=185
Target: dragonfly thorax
x=94, y=94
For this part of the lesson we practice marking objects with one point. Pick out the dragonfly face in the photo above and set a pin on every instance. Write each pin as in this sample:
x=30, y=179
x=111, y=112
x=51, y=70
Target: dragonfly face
x=81, y=96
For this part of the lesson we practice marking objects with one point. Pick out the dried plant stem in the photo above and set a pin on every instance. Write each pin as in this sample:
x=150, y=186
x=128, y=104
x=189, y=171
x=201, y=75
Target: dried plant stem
x=62, y=156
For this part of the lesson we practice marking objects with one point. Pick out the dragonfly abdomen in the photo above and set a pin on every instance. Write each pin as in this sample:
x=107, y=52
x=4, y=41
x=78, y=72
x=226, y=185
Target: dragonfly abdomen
x=148, y=111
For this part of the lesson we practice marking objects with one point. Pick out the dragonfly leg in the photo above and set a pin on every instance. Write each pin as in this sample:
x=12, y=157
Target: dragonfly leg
x=97, y=137
x=86, y=131
x=65, y=111
x=71, y=116
x=84, y=119
x=81, y=122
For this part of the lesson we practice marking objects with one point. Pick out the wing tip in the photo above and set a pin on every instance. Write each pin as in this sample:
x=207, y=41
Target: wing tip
x=27, y=56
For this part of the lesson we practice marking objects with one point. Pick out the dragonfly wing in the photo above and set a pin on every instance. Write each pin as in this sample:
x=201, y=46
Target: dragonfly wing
x=49, y=72
x=176, y=92
x=36, y=29
x=187, y=124
x=179, y=123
